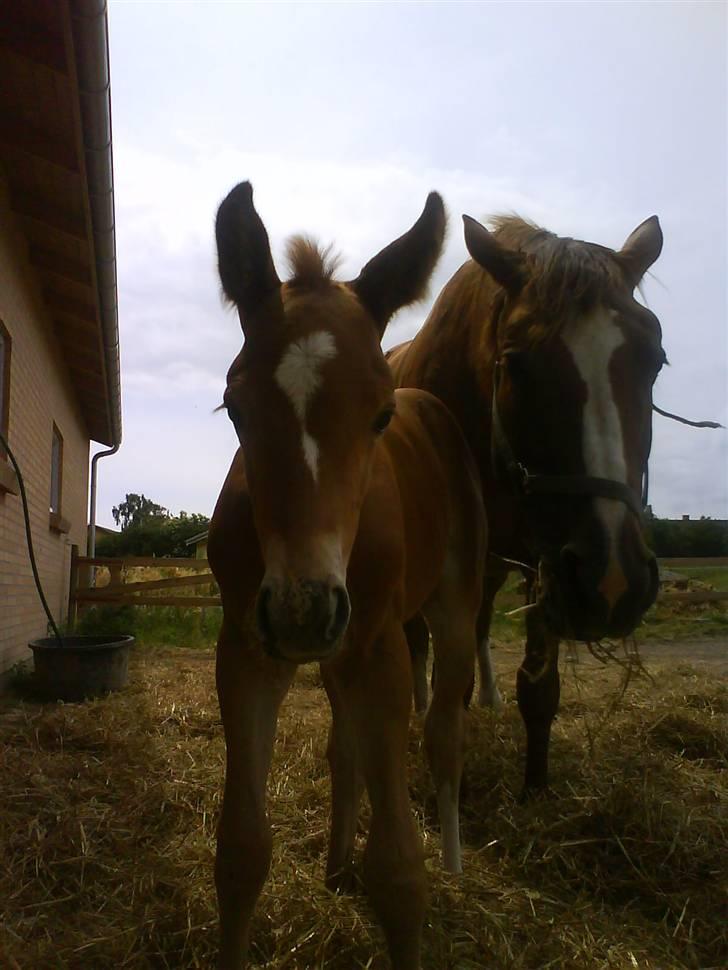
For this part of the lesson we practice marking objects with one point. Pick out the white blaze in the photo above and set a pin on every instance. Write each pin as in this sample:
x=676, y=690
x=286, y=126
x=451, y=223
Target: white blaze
x=299, y=377
x=592, y=341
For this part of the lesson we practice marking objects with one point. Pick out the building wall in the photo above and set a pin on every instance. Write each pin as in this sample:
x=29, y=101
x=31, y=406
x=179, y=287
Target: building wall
x=201, y=549
x=40, y=395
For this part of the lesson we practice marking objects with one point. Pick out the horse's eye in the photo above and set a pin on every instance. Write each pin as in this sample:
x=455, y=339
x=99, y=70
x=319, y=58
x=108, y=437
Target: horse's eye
x=516, y=362
x=234, y=416
x=382, y=420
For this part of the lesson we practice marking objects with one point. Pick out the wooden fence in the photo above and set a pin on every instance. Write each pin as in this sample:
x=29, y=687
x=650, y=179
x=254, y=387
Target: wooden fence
x=698, y=595
x=83, y=590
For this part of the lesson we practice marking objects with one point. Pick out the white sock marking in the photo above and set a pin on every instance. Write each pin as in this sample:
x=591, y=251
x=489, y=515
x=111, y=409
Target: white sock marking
x=448, y=810
x=488, y=695
x=299, y=377
x=592, y=341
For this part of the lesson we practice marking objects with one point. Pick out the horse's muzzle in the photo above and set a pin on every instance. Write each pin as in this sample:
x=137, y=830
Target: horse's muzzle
x=575, y=605
x=302, y=620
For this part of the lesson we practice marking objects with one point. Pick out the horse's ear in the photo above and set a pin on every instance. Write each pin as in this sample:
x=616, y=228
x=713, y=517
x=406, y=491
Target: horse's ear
x=641, y=249
x=399, y=274
x=244, y=260
x=506, y=266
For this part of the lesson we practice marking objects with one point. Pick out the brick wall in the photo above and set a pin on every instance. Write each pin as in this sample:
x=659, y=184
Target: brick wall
x=40, y=395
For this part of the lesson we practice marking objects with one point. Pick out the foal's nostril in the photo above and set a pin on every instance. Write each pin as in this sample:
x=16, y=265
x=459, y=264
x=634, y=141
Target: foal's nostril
x=340, y=612
x=262, y=617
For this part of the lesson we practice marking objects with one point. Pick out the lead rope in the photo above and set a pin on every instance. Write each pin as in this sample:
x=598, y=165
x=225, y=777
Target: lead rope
x=692, y=424
x=29, y=539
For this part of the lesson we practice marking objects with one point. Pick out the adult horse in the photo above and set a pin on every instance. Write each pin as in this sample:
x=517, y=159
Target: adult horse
x=329, y=533
x=541, y=352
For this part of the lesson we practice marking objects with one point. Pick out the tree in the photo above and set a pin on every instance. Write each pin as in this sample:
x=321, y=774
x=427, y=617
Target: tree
x=137, y=510
x=148, y=529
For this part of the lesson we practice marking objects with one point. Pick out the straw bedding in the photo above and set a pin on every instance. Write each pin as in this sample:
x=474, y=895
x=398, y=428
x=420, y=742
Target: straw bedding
x=109, y=809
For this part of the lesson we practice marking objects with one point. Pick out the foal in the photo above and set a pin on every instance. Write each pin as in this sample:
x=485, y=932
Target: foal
x=348, y=509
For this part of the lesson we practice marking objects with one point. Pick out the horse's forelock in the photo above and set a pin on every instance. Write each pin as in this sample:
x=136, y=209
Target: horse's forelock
x=567, y=277
x=310, y=264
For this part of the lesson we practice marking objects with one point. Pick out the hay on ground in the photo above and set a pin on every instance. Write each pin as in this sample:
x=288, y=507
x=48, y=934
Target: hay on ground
x=109, y=811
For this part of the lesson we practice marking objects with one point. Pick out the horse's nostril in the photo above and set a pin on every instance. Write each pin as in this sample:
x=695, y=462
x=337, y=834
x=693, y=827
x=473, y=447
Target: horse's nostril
x=570, y=565
x=339, y=614
x=654, y=583
x=262, y=618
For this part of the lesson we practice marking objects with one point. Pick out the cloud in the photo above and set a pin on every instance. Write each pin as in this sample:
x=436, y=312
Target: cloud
x=344, y=118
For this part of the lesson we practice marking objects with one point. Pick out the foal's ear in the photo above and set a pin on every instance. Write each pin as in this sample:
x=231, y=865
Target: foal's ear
x=244, y=259
x=399, y=274
x=506, y=266
x=641, y=249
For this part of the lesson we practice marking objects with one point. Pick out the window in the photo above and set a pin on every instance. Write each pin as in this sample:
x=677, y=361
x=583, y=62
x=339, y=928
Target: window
x=8, y=481
x=56, y=471
x=4, y=385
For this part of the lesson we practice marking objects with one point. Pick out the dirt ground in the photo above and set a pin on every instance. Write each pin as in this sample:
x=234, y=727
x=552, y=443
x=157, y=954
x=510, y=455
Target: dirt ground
x=709, y=655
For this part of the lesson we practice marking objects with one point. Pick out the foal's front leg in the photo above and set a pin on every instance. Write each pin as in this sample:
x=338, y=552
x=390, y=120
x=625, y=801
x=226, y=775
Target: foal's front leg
x=347, y=786
x=378, y=685
x=250, y=689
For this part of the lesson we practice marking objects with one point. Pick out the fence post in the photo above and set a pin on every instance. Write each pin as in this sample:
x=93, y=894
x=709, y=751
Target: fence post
x=72, y=587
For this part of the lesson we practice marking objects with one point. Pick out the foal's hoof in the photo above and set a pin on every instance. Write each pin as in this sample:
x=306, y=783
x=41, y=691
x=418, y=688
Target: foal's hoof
x=343, y=883
x=490, y=697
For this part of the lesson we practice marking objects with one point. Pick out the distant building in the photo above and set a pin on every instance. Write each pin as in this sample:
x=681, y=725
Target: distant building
x=59, y=353
x=198, y=545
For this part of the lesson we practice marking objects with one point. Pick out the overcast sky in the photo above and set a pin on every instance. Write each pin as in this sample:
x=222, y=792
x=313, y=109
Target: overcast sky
x=585, y=117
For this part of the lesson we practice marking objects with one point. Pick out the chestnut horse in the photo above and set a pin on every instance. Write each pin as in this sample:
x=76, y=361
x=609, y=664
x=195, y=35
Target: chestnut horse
x=547, y=361
x=348, y=508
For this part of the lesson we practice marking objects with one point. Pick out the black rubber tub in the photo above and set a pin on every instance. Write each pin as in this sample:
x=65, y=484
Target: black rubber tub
x=83, y=667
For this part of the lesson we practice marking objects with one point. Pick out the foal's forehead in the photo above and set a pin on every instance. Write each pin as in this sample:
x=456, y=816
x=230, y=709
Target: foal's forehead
x=323, y=325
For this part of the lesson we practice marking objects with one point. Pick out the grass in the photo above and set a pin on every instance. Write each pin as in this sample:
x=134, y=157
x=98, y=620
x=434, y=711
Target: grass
x=155, y=626
x=715, y=577
x=663, y=621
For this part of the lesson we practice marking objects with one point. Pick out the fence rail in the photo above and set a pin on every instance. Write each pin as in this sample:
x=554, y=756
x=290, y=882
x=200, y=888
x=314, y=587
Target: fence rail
x=156, y=592
x=697, y=595
x=84, y=592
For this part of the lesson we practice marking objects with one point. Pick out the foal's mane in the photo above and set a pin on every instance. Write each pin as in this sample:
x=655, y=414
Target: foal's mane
x=311, y=265
x=566, y=276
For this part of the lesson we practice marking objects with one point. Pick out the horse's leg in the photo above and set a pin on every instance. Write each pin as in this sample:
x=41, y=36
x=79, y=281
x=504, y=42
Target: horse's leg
x=250, y=689
x=347, y=786
x=488, y=693
x=378, y=685
x=453, y=639
x=538, y=689
x=418, y=641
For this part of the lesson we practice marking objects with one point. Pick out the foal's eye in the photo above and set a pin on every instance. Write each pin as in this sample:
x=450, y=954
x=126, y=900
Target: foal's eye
x=382, y=420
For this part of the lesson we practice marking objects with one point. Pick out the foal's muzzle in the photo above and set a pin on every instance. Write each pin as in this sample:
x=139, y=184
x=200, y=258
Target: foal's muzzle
x=302, y=620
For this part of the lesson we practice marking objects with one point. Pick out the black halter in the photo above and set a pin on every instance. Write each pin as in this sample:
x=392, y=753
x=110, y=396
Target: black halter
x=525, y=483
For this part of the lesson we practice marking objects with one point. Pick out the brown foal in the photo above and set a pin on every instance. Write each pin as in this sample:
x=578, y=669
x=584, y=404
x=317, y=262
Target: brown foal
x=348, y=509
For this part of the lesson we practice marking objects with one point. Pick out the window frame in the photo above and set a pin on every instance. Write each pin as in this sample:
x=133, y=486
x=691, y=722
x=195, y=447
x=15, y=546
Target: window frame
x=8, y=478
x=56, y=521
x=6, y=343
x=56, y=436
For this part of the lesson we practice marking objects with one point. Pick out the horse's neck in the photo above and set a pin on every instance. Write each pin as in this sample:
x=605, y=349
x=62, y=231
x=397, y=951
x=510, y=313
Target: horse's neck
x=458, y=333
